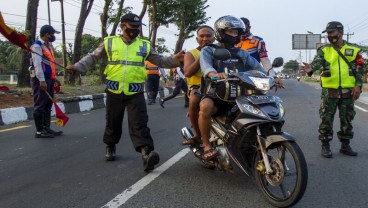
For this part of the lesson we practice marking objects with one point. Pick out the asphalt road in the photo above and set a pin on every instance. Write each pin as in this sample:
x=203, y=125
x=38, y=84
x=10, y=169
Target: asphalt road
x=69, y=171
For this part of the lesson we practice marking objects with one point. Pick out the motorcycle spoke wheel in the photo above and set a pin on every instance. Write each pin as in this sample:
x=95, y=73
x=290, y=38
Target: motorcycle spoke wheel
x=287, y=183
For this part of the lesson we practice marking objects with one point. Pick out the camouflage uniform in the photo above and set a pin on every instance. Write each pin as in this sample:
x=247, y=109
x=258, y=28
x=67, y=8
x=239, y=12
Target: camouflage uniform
x=337, y=98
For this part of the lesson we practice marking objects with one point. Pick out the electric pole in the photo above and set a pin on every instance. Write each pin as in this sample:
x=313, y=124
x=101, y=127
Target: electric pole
x=348, y=35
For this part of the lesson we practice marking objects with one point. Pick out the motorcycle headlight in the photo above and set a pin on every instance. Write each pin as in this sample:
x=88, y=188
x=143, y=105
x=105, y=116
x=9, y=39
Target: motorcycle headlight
x=252, y=109
x=261, y=83
x=282, y=110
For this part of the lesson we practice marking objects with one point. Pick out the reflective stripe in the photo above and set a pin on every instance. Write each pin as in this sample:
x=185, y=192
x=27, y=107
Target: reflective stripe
x=135, y=87
x=109, y=48
x=130, y=63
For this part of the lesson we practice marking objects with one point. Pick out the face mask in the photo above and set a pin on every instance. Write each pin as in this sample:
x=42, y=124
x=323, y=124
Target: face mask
x=52, y=38
x=333, y=39
x=231, y=40
x=132, y=33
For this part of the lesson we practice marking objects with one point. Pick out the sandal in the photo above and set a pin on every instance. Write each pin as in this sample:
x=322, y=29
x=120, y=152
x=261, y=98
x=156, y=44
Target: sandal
x=191, y=142
x=209, y=154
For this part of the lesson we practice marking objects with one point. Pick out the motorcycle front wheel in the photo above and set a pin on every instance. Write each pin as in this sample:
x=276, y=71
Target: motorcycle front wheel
x=286, y=185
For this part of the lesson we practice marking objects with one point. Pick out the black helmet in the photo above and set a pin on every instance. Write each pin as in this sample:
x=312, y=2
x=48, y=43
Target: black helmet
x=226, y=23
x=245, y=21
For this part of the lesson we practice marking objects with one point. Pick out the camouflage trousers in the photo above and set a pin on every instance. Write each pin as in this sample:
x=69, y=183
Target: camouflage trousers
x=327, y=111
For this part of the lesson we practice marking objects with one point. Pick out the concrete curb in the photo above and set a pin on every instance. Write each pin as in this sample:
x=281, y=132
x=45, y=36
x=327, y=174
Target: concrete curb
x=67, y=105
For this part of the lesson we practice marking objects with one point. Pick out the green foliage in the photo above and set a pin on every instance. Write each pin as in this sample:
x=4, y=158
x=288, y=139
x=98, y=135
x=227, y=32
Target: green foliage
x=160, y=46
x=89, y=43
x=10, y=57
x=291, y=67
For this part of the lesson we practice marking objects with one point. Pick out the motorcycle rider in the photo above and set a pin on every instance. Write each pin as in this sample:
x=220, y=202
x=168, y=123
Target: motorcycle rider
x=228, y=31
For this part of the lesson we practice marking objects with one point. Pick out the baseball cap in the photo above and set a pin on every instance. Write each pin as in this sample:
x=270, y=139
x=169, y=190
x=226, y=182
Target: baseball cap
x=131, y=18
x=332, y=26
x=47, y=29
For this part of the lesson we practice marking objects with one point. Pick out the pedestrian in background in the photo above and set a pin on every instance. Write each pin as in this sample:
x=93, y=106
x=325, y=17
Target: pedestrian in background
x=341, y=80
x=42, y=81
x=153, y=81
x=125, y=77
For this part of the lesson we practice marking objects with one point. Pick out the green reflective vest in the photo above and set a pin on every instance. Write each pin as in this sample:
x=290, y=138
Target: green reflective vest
x=336, y=72
x=125, y=71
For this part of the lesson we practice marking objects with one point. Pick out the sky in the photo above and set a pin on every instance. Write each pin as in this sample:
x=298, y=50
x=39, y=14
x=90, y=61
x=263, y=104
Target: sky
x=273, y=20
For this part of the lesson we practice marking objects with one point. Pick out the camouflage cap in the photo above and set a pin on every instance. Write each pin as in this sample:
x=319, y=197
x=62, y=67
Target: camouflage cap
x=332, y=26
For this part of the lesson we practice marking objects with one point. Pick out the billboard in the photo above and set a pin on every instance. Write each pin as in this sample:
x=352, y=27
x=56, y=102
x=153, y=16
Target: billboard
x=306, y=41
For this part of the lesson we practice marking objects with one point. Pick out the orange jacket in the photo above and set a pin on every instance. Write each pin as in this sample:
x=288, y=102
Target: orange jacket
x=151, y=68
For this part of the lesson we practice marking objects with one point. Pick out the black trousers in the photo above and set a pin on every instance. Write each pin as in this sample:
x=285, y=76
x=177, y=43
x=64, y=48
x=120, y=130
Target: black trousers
x=137, y=120
x=42, y=103
x=153, y=83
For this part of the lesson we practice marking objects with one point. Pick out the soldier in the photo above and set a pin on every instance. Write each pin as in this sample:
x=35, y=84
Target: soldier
x=341, y=80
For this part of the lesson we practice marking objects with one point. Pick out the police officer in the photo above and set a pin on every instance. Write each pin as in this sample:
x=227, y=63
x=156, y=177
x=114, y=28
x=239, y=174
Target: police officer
x=341, y=79
x=42, y=81
x=125, y=76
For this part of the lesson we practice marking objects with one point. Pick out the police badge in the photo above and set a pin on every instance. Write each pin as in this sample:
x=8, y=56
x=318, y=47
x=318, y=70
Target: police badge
x=349, y=52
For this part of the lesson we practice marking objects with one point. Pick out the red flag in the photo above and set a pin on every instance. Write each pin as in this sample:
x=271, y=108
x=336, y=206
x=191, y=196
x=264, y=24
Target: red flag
x=13, y=36
x=62, y=118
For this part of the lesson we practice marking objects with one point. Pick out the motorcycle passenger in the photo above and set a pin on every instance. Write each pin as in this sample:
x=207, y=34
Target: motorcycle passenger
x=205, y=36
x=228, y=30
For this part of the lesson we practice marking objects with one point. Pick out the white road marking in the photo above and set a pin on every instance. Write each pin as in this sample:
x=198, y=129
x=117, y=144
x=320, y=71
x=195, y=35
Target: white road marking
x=135, y=188
x=360, y=108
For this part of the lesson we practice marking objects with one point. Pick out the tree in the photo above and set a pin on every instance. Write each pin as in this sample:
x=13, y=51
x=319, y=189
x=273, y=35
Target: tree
x=188, y=23
x=160, y=13
x=30, y=31
x=160, y=46
x=86, y=7
x=291, y=67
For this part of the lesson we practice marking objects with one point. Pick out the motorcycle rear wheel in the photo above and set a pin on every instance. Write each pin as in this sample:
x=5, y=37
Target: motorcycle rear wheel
x=287, y=184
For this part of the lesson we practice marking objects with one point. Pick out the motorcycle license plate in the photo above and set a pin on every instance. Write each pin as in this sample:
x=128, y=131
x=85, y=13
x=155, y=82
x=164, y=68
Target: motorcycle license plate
x=260, y=99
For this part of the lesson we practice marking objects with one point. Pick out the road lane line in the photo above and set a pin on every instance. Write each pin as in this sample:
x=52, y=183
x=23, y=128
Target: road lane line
x=360, y=108
x=15, y=128
x=135, y=188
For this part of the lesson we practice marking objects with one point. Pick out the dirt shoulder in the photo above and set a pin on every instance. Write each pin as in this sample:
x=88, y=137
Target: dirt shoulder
x=22, y=97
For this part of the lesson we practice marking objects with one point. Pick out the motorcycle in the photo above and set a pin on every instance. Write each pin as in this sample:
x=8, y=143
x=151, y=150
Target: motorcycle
x=250, y=139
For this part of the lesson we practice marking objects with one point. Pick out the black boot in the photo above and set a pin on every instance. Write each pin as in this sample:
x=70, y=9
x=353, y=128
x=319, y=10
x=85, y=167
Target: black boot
x=346, y=149
x=110, y=153
x=150, y=159
x=46, y=124
x=166, y=98
x=326, y=151
x=40, y=131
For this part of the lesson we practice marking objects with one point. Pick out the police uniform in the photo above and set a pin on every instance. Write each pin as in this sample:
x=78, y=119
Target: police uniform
x=153, y=81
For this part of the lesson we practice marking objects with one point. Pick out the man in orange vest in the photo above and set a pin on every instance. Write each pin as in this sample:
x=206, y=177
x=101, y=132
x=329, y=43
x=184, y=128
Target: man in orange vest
x=42, y=81
x=153, y=81
x=254, y=45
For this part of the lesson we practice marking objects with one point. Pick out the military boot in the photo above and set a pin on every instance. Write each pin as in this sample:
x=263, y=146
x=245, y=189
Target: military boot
x=166, y=98
x=150, y=159
x=326, y=151
x=346, y=149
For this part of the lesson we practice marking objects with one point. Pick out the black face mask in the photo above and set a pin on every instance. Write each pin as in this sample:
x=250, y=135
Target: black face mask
x=333, y=39
x=52, y=38
x=231, y=40
x=132, y=32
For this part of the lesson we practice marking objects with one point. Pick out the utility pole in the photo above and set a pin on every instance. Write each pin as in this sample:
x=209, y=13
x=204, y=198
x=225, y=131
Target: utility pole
x=48, y=10
x=348, y=35
x=63, y=37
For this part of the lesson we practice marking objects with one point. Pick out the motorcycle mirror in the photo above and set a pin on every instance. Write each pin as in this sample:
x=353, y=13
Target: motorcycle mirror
x=221, y=54
x=277, y=62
